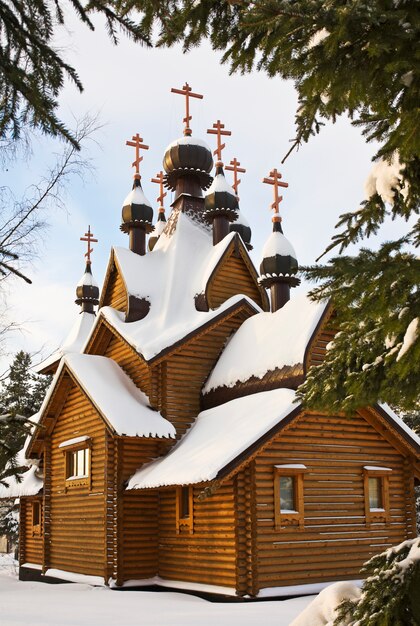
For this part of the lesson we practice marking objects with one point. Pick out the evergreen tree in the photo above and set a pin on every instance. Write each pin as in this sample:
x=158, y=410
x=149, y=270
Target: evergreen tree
x=390, y=594
x=32, y=70
x=21, y=396
x=360, y=59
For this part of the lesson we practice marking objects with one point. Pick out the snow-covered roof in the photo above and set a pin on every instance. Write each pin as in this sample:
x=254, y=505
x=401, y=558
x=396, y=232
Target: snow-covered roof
x=123, y=406
x=216, y=438
x=220, y=185
x=30, y=485
x=169, y=278
x=188, y=141
x=267, y=341
x=74, y=342
x=401, y=425
x=136, y=196
x=278, y=244
x=87, y=280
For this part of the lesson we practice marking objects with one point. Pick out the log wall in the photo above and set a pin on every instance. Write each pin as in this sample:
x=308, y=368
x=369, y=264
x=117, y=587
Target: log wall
x=133, y=365
x=76, y=518
x=116, y=293
x=208, y=554
x=336, y=539
x=233, y=277
x=30, y=545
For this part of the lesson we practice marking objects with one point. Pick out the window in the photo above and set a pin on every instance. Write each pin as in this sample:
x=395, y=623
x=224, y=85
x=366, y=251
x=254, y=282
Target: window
x=36, y=518
x=288, y=495
x=376, y=486
x=77, y=460
x=78, y=464
x=184, y=509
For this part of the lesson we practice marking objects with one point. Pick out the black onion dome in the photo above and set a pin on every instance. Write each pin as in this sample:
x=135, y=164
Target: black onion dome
x=137, y=210
x=279, y=262
x=87, y=289
x=220, y=199
x=243, y=229
x=188, y=155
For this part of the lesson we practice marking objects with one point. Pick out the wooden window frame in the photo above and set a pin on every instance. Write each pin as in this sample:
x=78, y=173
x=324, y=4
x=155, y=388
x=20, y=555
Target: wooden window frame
x=283, y=520
x=36, y=528
x=81, y=481
x=184, y=524
x=382, y=515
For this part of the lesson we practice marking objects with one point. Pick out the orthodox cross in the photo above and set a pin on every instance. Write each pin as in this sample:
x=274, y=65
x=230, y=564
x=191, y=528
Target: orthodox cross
x=138, y=145
x=218, y=130
x=89, y=238
x=188, y=93
x=234, y=167
x=275, y=179
x=160, y=180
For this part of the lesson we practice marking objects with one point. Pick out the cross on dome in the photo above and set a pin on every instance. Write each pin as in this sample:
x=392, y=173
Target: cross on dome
x=234, y=167
x=137, y=143
x=160, y=181
x=188, y=93
x=274, y=178
x=218, y=130
x=90, y=239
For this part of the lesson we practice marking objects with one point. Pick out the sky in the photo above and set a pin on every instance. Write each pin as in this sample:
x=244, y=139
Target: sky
x=129, y=87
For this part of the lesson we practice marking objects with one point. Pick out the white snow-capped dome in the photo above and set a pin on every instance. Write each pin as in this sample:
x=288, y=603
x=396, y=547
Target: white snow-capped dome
x=136, y=196
x=220, y=185
x=241, y=219
x=159, y=228
x=188, y=141
x=87, y=280
x=277, y=244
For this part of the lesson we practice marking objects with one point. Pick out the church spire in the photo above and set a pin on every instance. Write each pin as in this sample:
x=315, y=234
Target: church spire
x=137, y=212
x=279, y=264
x=87, y=291
x=220, y=201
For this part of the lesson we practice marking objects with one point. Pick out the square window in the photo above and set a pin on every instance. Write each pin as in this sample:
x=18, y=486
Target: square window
x=288, y=495
x=376, y=488
x=77, y=464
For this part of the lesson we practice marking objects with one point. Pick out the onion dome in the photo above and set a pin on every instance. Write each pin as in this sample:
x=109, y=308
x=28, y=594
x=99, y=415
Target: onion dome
x=159, y=228
x=185, y=156
x=279, y=263
x=242, y=227
x=137, y=211
x=220, y=199
x=87, y=290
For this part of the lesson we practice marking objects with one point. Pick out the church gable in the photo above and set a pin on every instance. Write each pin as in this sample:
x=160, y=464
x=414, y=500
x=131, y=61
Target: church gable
x=114, y=291
x=234, y=274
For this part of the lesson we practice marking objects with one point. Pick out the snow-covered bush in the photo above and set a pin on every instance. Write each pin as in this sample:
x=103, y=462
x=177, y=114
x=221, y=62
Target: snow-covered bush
x=322, y=611
x=391, y=593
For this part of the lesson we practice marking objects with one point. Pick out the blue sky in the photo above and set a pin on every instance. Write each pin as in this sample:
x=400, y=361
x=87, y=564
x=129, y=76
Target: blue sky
x=129, y=87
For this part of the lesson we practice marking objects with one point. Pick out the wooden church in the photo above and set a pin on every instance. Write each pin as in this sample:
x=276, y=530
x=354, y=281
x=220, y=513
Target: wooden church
x=171, y=446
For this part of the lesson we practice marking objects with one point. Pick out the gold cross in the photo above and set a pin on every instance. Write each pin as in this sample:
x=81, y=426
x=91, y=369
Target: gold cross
x=159, y=180
x=275, y=179
x=188, y=93
x=218, y=130
x=89, y=238
x=138, y=145
x=234, y=167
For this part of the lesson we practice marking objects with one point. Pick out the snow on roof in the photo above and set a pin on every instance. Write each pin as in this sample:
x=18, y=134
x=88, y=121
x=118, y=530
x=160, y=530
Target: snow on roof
x=74, y=342
x=30, y=485
x=136, y=196
x=188, y=141
x=87, y=280
x=215, y=439
x=125, y=408
x=267, y=341
x=169, y=278
x=403, y=426
x=278, y=244
x=219, y=185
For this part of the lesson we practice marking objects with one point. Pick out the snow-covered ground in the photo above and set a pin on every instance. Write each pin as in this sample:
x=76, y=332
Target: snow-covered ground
x=39, y=604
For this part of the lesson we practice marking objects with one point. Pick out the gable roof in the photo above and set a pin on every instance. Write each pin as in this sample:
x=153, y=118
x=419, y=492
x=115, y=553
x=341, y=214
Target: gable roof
x=74, y=342
x=169, y=278
x=123, y=407
x=217, y=437
x=266, y=342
